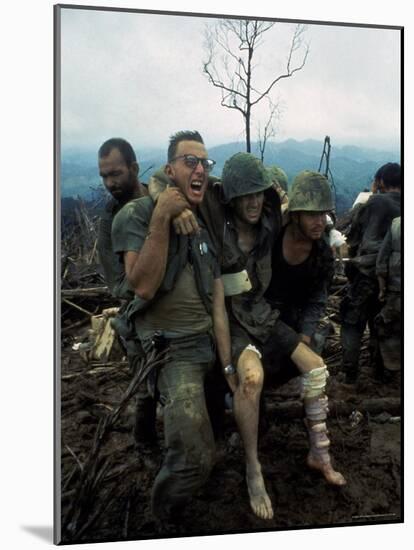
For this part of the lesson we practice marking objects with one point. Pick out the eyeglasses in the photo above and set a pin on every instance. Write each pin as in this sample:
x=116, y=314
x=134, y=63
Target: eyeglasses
x=192, y=161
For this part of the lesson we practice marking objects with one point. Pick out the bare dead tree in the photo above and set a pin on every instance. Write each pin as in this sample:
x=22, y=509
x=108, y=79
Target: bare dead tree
x=230, y=47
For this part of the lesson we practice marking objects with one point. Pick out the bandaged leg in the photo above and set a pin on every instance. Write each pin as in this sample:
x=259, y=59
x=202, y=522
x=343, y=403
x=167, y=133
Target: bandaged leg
x=316, y=407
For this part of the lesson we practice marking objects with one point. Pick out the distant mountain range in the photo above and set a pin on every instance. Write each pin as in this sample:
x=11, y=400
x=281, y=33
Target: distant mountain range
x=352, y=168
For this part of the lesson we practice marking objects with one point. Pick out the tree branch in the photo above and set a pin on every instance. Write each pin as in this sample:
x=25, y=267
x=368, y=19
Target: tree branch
x=237, y=42
x=295, y=44
x=269, y=129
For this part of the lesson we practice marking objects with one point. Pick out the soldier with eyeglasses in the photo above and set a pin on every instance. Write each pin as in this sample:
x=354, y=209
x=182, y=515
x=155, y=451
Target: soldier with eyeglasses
x=178, y=306
x=242, y=213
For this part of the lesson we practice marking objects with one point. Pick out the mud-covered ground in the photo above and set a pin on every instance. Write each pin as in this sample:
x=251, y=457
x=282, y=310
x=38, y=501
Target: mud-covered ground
x=115, y=497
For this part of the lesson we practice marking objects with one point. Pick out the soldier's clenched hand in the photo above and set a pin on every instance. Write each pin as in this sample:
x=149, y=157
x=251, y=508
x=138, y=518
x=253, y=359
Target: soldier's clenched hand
x=186, y=223
x=171, y=203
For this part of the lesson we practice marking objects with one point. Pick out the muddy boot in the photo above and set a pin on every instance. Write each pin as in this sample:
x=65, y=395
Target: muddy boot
x=170, y=524
x=376, y=362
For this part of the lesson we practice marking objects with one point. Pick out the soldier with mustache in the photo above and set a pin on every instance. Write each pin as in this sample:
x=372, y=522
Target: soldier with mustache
x=302, y=260
x=119, y=170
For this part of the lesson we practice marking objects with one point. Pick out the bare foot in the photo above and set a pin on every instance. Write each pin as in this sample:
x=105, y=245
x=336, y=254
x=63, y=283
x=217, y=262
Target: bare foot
x=259, y=499
x=333, y=477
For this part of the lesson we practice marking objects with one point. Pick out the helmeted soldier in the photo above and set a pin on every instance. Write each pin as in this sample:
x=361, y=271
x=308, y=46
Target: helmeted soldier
x=302, y=261
x=247, y=225
x=279, y=176
x=259, y=338
x=280, y=181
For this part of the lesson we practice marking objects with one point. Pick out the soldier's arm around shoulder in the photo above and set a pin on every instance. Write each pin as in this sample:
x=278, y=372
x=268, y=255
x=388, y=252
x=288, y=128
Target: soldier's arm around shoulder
x=185, y=223
x=157, y=183
x=140, y=234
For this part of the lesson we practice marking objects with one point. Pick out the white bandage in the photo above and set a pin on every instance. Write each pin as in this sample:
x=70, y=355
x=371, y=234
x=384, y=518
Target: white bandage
x=317, y=410
x=314, y=382
x=319, y=442
x=336, y=238
x=236, y=283
x=250, y=347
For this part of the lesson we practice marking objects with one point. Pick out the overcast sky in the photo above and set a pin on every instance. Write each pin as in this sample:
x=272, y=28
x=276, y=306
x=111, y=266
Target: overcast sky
x=139, y=76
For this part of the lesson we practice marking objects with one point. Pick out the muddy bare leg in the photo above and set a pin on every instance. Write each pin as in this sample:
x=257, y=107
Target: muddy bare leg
x=246, y=412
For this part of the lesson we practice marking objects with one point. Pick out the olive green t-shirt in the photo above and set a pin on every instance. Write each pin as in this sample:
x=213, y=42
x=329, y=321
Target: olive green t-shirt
x=180, y=311
x=112, y=266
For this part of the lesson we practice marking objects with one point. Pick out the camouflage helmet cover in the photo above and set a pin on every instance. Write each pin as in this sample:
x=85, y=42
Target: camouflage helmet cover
x=244, y=174
x=310, y=192
x=279, y=176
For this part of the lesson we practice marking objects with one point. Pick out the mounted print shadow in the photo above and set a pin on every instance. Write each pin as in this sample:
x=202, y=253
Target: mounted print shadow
x=228, y=306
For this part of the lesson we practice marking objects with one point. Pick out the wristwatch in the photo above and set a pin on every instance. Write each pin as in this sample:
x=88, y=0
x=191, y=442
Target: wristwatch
x=229, y=369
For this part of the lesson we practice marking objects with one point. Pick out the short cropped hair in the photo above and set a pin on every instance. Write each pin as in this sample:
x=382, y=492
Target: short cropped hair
x=184, y=135
x=390, y=174
x=378, y=173
x=123, y=147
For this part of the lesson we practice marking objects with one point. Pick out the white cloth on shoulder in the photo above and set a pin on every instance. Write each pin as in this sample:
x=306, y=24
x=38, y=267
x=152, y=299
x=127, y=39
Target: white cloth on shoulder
x=336, y=238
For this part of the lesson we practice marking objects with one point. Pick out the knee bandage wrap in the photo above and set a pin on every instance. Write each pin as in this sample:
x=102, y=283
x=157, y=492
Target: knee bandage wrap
x=252, y=348
x=314, y=382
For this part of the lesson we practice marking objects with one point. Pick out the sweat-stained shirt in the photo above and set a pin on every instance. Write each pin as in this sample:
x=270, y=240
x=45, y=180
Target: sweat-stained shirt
x=182, y=304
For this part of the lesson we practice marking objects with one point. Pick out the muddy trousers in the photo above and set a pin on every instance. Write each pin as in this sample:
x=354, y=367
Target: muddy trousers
x=145, y=418
x=351, y=337
x=145, y=405
x=358, y=309
x=189, y=440
x=388, y=324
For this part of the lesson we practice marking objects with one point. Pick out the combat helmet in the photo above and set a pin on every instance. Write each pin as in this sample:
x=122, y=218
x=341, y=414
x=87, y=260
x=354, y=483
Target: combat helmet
x=277, y=175
x=244, y=174
x=310, y=192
